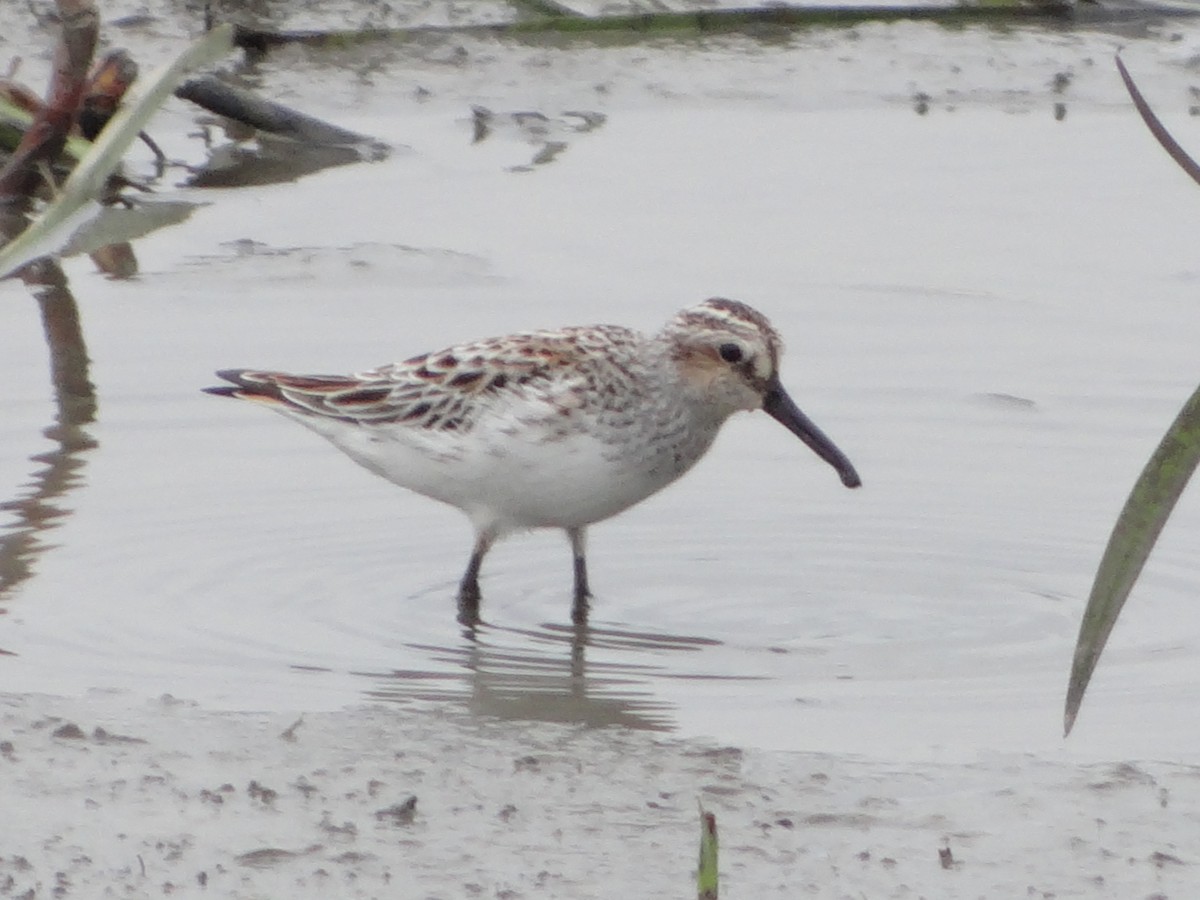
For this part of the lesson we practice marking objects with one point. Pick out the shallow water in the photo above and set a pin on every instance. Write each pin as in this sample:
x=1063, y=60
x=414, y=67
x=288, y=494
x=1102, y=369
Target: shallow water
x=992, y=312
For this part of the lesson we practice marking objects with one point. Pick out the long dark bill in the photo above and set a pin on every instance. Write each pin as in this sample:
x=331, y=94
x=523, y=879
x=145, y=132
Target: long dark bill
x=783, y=409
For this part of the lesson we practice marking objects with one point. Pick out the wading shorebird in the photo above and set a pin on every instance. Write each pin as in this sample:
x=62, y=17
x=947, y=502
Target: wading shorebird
x=548, y=429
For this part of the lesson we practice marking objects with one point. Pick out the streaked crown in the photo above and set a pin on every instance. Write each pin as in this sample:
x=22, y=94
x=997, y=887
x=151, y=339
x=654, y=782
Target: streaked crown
x=725, y=350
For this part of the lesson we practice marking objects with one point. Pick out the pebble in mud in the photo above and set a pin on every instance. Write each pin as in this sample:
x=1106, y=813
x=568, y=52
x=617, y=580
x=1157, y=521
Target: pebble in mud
x=264, y=795
x=399, y=813
x=69, y=732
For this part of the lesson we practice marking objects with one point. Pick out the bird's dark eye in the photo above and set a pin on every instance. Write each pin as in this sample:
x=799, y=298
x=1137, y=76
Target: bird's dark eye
x=731, y=353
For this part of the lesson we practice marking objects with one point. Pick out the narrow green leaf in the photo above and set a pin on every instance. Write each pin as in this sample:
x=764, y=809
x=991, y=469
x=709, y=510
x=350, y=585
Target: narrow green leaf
x=21, y=119
x=706, y=875
x=51, y=228
x=1133, y=537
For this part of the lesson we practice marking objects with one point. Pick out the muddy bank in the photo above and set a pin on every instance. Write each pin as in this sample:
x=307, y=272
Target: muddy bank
x=111, y=796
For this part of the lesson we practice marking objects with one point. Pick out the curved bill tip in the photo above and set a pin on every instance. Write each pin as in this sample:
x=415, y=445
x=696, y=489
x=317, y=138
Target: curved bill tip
x=849, y=476
x=784, y=410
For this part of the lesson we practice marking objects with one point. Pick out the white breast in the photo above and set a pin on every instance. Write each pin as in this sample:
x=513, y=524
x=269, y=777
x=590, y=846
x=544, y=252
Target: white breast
x=525, y=469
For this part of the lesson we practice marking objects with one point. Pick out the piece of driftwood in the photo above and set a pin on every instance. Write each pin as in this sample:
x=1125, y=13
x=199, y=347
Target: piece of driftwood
x=225, y=99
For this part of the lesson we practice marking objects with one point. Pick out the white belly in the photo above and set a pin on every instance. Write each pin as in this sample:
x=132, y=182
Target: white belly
x=508, y=479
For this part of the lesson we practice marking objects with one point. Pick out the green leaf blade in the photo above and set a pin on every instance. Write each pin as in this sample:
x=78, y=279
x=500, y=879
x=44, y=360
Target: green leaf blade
x=706, y=874
x=1146, y=511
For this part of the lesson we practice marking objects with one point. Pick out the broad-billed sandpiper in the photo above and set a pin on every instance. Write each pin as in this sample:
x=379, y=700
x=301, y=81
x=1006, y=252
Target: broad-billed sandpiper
x=549, y=429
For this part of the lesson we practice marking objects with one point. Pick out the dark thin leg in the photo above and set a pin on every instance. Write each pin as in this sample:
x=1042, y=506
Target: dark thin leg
x=579, y=609
x=468, y=588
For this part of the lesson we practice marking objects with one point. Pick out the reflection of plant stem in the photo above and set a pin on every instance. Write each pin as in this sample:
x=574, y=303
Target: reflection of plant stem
x=75, y=402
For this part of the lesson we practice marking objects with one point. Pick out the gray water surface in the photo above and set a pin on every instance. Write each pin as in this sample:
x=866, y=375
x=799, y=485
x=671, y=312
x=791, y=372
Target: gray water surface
x=993, y=312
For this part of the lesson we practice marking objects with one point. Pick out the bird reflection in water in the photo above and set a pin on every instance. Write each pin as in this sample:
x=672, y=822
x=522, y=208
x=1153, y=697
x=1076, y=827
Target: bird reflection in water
x=543, y=674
